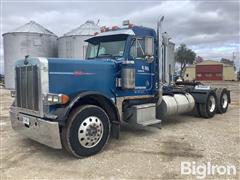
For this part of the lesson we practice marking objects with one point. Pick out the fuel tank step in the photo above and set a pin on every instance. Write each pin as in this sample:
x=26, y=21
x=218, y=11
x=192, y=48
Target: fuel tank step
x=144, y=114
x=150, y=122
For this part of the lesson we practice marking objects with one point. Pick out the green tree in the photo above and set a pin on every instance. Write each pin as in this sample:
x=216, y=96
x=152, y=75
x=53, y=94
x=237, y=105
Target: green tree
x=228, y=61
x=184, y=56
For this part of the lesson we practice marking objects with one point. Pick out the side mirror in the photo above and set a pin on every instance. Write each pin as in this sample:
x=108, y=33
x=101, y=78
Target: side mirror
x=149, y=46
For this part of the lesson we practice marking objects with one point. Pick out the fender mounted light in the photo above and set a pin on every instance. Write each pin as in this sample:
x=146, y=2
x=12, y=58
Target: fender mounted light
x=52, y=99
x=64, y=98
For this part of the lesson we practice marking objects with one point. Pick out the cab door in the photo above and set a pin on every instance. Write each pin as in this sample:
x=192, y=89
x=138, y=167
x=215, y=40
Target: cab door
x=144, y=66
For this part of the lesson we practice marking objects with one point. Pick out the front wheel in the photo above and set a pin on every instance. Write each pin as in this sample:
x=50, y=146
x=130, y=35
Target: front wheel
x=87, y=131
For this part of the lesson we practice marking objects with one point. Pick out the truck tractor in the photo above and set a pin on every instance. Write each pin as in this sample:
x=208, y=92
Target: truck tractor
x=126, y=78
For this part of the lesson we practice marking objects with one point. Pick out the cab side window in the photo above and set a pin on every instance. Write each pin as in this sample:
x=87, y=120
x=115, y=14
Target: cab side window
x=137, y=50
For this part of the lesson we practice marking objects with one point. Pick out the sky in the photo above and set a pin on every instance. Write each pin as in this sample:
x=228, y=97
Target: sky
x=211, y=28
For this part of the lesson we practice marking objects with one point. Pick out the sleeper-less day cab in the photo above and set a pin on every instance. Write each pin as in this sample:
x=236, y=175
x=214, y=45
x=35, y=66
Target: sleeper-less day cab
x=78, y=104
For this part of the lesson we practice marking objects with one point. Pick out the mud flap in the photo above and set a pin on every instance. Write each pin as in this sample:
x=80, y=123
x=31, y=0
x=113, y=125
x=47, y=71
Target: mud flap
x=115, y=130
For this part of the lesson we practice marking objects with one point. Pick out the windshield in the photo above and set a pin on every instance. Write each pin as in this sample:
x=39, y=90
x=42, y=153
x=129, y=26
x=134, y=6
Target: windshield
x=112, y=49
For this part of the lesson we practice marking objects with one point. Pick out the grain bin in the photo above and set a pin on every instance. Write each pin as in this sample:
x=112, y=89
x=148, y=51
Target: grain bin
x=72, y=44
x=30, y=39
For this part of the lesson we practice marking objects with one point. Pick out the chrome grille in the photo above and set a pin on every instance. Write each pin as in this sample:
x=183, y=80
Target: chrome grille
x=27, y=90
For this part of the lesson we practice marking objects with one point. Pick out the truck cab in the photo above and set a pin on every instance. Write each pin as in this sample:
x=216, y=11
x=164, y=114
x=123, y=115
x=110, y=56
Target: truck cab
x=128, y=48
x=77, y=104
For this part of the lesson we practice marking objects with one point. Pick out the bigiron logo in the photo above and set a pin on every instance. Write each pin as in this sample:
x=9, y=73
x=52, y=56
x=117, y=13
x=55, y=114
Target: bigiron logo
x=202, y=170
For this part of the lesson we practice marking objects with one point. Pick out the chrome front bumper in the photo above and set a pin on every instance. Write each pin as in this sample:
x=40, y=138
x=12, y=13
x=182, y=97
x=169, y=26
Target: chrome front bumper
x=40, y=130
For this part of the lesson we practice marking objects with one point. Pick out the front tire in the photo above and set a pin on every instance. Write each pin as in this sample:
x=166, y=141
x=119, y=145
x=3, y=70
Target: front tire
x=87, y=131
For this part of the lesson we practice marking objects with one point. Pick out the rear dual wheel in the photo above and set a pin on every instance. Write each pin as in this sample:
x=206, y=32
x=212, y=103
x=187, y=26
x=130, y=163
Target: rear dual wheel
x=208, y=109
x=222, y=100
x=86, y=132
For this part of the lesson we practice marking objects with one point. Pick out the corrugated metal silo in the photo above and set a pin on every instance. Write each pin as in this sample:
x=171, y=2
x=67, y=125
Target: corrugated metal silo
x=72, y=44
x=30, y=39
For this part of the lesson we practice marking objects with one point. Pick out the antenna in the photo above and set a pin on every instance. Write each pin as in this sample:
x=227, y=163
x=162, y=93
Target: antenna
x=98, y=21
x=234, y=56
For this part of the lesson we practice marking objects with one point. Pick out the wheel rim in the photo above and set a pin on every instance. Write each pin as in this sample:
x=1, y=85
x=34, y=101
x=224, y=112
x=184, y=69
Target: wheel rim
x=212, y=104
x=90, y=132
x=224, y=101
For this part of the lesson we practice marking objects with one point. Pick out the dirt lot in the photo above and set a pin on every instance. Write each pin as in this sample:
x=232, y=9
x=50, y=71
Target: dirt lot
x=141, y=153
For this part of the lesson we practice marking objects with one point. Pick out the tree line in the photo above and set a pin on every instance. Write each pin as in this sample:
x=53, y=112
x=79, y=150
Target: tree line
x=186, y=56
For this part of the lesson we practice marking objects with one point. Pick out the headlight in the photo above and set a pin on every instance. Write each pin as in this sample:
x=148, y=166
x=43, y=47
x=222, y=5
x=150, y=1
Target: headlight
x=57, y=99
x=13, y=93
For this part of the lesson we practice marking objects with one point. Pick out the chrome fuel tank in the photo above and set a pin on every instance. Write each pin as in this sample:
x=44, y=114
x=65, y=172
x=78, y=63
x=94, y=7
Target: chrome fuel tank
x=176, y=104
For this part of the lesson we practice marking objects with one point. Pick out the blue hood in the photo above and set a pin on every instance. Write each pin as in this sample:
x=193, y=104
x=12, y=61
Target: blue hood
x=71, y=77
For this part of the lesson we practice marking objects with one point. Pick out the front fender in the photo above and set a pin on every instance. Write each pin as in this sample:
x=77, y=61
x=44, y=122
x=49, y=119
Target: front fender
x=88, y=97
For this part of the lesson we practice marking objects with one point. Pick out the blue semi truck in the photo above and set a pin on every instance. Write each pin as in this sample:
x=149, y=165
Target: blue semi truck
x=79, y=104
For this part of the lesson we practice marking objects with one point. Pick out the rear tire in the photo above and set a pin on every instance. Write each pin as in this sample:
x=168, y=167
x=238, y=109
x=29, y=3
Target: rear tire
x=222, y=100
x=86, y=132
x=208, y=109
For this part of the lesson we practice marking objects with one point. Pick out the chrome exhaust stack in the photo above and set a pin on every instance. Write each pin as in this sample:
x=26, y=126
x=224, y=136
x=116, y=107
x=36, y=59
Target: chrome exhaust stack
x=159, y=36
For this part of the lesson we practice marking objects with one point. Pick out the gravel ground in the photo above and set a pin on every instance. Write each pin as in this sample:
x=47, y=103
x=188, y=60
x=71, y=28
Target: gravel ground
x=140, y=153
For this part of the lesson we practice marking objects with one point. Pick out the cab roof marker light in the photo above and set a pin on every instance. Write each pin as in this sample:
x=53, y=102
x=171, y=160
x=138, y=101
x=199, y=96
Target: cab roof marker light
x=115, y=28
x=130, y=26
x=102, y=29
